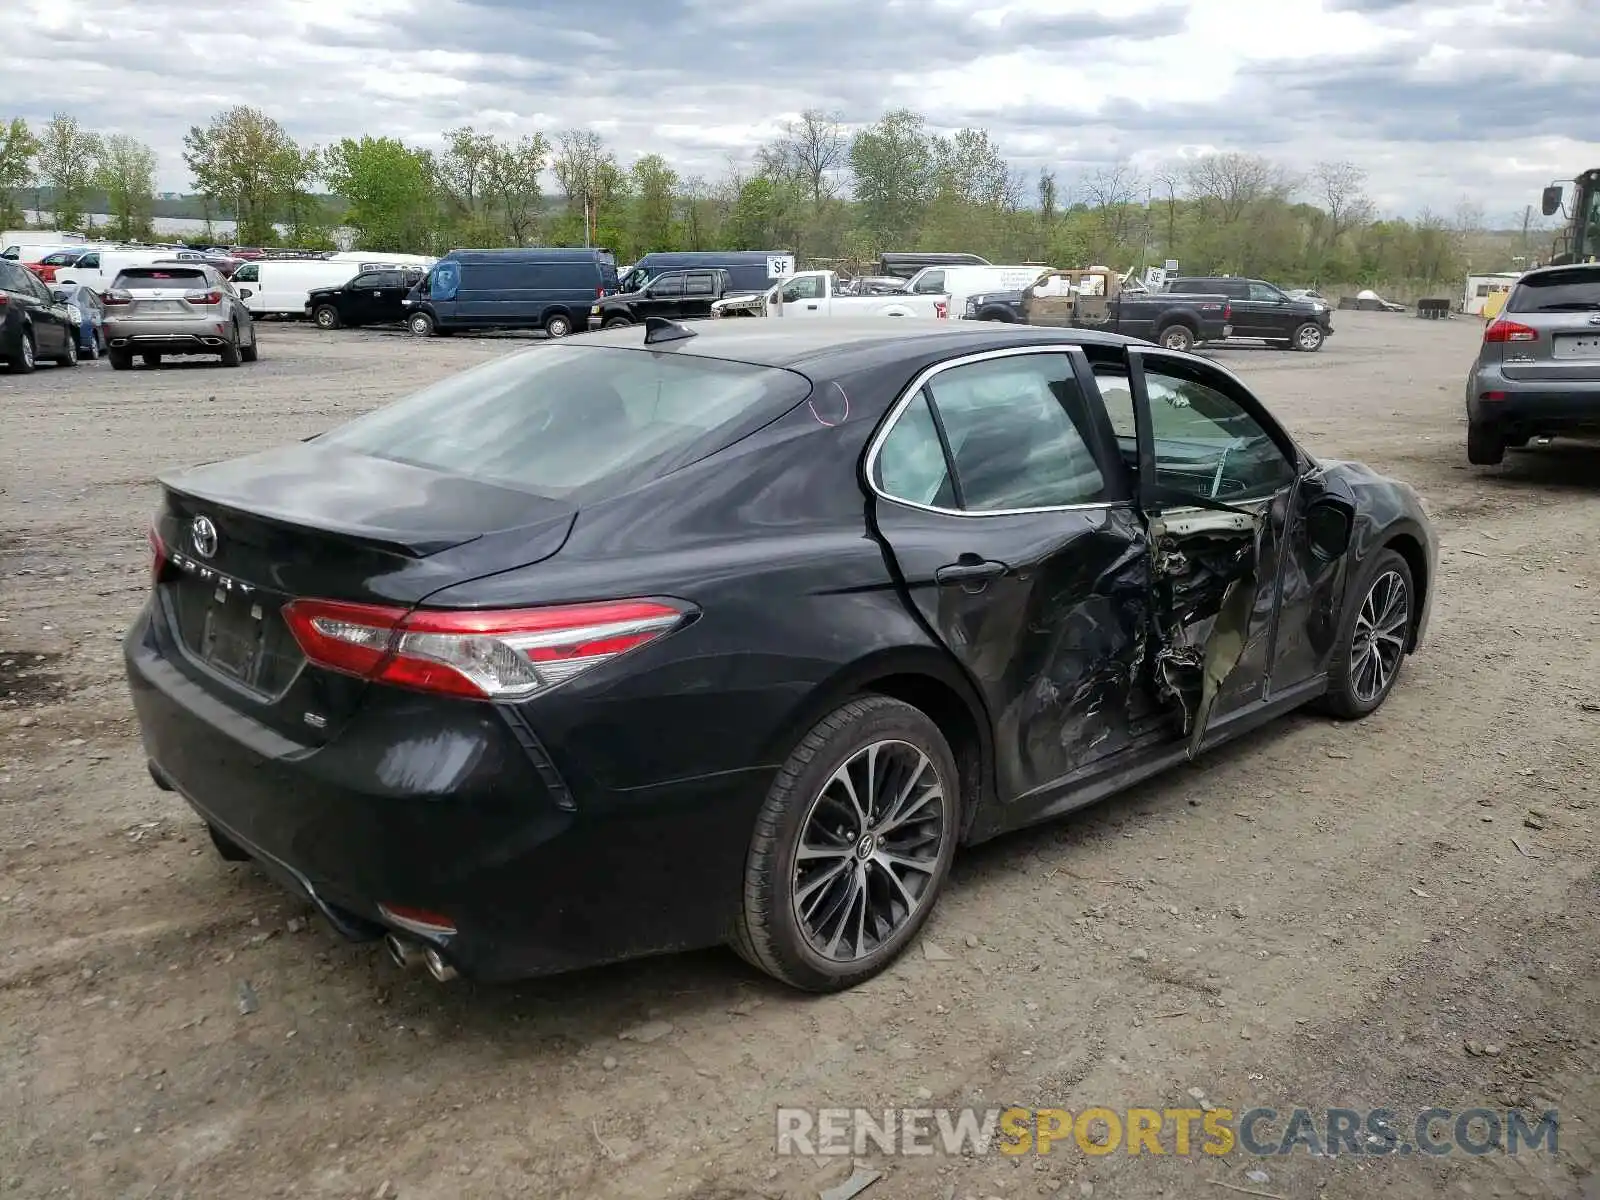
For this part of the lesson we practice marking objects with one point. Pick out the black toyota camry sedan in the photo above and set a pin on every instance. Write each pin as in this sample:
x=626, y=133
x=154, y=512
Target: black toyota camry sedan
x=737, y=633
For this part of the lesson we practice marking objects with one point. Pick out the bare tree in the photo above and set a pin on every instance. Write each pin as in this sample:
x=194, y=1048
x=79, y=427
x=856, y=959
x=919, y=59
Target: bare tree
x=817, y=149
x=1169, y=181
x=1111, y=191
x=1229, y=184
x=1339, y=189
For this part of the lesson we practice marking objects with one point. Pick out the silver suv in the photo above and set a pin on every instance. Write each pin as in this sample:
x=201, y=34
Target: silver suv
x=176, y=308
x=1538, y=374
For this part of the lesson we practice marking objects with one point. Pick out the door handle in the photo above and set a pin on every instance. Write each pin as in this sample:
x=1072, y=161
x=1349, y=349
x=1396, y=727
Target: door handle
x=969, y=568
x=811, y=306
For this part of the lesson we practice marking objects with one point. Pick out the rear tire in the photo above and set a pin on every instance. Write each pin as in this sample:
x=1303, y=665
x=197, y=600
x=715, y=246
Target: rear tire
x=25, y=361
x=121, y=360
x=558, y=325
x=230, y=356
x=230, y=850
x=326, y=316
x=150, y=359
x=617, y=323
x=1486, y=445
x=251, y=352
x=1368, y=629
x=69, y=356
x=872, y=737
x=1176, y=337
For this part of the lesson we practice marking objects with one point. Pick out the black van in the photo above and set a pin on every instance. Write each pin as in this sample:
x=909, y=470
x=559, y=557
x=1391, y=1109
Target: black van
x=535, y=287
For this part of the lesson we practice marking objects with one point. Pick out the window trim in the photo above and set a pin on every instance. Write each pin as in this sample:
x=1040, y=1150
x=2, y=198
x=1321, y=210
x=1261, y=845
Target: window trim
x=1115, y=474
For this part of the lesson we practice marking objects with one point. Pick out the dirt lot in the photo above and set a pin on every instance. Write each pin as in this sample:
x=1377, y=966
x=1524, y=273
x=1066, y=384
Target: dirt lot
x=1324, y=915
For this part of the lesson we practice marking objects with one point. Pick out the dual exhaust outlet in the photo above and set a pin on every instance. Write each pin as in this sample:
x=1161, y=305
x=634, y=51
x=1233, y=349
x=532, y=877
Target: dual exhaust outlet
x=408, y=954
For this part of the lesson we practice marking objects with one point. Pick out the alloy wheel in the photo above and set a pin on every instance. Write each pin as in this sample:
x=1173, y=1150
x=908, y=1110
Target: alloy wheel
x=1310, y=337
x=1379, y=641
x=869, y=849
x=27, y=353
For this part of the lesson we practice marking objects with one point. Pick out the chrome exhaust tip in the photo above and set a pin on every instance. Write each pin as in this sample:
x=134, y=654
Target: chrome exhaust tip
x=442, y=971
x=404, y=954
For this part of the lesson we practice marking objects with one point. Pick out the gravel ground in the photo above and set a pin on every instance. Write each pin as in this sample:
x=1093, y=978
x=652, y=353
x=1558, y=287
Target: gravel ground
x=1397, y=913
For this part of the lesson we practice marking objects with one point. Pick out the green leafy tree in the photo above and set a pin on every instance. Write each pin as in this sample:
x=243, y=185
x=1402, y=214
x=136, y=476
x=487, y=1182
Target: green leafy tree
x=895, y=175
x=390, y=189
x=655, y=187
x=126, y=173
x=67, y=158
x=246, y=163
x=18, y=147
x=511, y=179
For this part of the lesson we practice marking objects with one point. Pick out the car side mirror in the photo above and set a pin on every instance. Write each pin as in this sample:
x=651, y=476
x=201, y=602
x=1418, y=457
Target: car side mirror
x=1330, y=522
x=1550, y=201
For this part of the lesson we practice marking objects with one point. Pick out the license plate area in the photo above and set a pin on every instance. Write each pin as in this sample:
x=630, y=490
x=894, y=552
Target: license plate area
x=231, y=636
x=1582, y=346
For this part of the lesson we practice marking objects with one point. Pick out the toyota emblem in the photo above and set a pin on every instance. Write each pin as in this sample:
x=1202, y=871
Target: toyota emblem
x=204, y=536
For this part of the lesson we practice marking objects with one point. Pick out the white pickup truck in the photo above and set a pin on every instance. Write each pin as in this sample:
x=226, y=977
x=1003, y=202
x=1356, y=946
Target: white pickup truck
x=816, y=294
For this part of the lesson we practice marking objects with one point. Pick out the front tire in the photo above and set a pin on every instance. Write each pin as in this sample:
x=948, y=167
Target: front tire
x=851, y=847
x=1176, y=337
x=1308, y=338
x=1486, y=445
x=1372, y=639
x=558, y=325
x=420, y=324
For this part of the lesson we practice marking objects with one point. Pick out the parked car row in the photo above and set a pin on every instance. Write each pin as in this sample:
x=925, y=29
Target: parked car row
x=148, y=312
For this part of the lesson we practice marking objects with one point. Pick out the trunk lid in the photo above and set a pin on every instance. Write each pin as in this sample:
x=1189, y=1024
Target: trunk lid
x=166, y=293
x=243, y=538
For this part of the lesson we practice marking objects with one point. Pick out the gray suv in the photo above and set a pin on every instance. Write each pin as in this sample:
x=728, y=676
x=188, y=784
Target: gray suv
x=1538, y=373
x=176, y=308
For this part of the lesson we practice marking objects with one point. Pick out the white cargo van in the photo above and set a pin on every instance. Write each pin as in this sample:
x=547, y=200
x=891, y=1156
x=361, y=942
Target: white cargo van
x=369, y=260
x=960, y=282
x=18, y=244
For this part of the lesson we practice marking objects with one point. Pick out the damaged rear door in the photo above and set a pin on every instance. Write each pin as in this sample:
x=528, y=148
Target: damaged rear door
x=1217, y=482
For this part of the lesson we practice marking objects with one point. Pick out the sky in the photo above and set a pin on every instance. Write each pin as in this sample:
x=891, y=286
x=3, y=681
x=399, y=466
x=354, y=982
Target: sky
x=1443, y=102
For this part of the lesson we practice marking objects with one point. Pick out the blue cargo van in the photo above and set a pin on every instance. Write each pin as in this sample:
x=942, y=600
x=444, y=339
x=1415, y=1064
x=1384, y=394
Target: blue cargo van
x=752, y=270
x=534, y=287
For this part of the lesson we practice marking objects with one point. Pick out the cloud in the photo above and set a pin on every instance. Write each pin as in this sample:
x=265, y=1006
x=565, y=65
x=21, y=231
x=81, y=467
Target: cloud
x=1441, y=100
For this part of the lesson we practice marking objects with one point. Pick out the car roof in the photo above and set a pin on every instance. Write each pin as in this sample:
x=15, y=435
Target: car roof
x=1558, y=268
x=778, y=343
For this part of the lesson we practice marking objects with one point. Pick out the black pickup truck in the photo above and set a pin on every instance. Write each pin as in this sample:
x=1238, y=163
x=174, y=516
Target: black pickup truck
x=1094, y=299
x=677, y=295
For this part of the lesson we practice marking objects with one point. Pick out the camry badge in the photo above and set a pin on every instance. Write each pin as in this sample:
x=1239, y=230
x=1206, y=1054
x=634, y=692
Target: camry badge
x=204, y=536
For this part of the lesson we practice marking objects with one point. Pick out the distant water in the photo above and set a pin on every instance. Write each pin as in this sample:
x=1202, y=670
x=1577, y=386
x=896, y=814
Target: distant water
x=223, y=229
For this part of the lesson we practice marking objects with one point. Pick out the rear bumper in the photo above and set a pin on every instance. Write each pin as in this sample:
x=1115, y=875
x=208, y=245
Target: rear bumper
x=455, y=808
x=175, y=337
x=1532, y=406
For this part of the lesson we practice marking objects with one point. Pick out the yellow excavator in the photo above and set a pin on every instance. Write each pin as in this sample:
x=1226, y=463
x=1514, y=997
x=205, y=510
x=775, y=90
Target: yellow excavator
x=1579, y=241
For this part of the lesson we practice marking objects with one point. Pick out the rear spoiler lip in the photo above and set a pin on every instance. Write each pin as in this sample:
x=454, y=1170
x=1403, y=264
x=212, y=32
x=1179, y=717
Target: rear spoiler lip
x=394, y=541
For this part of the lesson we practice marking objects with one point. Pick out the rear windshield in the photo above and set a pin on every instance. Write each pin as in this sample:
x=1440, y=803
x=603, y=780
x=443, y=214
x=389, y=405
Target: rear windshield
x=155, y=278
x=564, y=420
x=1577, y=290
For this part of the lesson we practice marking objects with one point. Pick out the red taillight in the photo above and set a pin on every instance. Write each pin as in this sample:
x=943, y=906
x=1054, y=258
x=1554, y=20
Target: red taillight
x=113, y=298
x=941, y=309
x=158, y=556
x=1510, y=331
x=203, y=297
x=419, y=920
x=1491, y=396
x=1227, y=311
x=495, y=655
x=600, y=292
